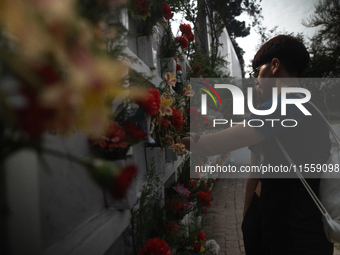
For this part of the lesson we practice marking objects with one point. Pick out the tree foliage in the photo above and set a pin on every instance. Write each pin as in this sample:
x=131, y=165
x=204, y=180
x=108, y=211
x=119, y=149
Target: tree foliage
x=325, y=45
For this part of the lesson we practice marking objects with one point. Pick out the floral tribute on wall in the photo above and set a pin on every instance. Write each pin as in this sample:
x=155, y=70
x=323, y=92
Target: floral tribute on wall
x=127, y=127
x=171, y=121
x=167, y=230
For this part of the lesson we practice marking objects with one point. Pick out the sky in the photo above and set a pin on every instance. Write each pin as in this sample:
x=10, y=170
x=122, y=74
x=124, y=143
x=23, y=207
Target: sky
x=286, y=14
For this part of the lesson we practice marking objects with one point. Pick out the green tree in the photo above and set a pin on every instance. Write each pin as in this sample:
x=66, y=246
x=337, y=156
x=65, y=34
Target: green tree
x=325, y=45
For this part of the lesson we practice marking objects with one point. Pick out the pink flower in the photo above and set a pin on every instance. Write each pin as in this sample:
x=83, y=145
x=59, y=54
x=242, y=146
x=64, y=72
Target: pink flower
x=184, y=193
x=181, y=190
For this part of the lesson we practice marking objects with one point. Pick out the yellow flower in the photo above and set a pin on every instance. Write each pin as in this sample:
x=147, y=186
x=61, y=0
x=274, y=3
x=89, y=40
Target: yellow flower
x=188, y=92
x=166, y=102
x=178, y=147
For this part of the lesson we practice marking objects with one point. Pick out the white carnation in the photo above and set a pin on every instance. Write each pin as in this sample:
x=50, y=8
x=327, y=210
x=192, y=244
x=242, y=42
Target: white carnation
x=211, y=247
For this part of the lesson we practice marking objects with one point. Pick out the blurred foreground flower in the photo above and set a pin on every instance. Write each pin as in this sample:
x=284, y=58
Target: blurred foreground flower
x=63, y=76
x=110, y=177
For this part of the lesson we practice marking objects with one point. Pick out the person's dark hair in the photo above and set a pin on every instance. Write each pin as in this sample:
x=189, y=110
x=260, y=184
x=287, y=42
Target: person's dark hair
x=291, y=52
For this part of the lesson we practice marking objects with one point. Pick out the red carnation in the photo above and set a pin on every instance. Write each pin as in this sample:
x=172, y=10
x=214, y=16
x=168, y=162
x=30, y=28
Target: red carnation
x=176, y=204
x=165, y=123
x=142, y=7
x=197, y=247
x=155, y=246
x=205, y=210
x=213, y=181
x=166, y=10
x=185, y=29
x=173, y=228
x=176, y=119
x=197, y=69
x=193, y=183
x=183, y=41
x=204, y=198
x=175, y=58
x=201, y=236
x=178, y=67
x=151, y=103
x=122, y=182
x=133, y=131
x=205, y=186
x=190, y=37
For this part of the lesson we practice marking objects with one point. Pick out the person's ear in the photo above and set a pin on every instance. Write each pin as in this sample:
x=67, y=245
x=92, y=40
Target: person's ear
x=275, y=65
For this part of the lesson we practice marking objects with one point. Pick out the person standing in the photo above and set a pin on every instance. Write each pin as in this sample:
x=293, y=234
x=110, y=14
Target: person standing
x=290, y=221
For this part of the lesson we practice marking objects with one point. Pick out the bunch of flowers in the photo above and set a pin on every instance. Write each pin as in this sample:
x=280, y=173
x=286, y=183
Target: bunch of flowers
x=196, y=247
x=150, y=12
x=169, y=120
x=115, y=143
